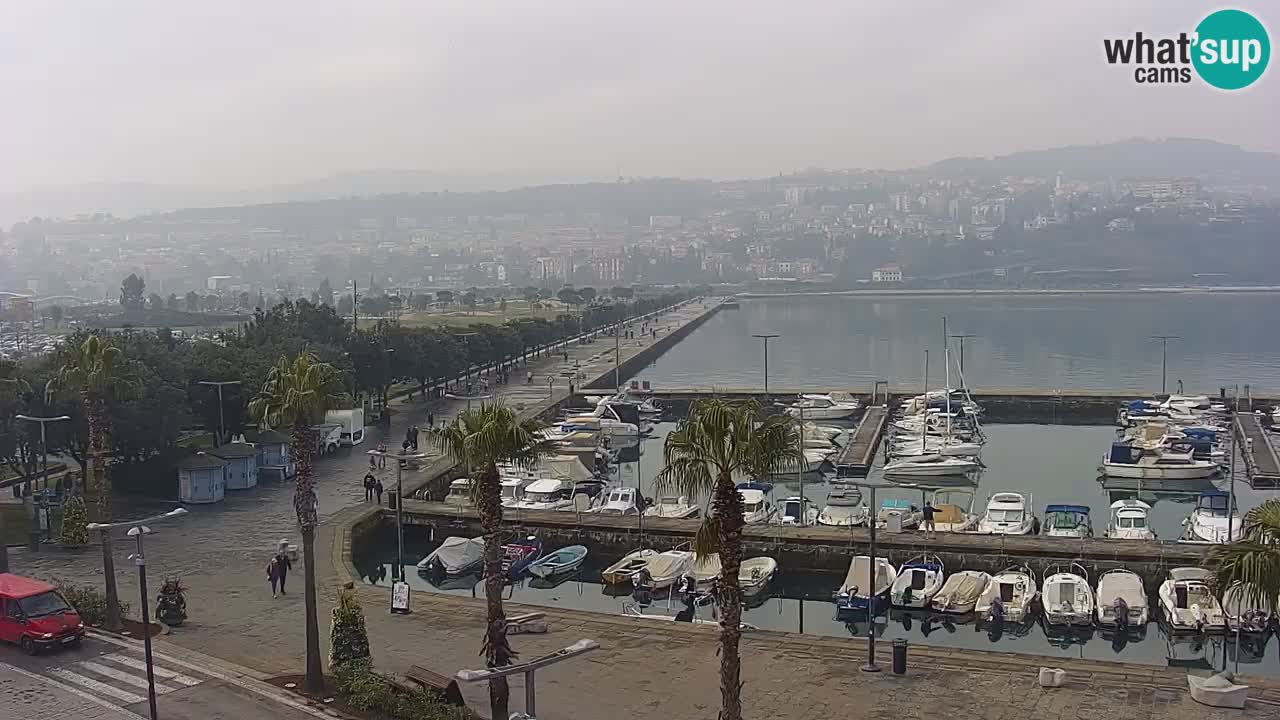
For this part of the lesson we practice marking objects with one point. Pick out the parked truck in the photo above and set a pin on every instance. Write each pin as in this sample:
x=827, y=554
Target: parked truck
x=352, y=422
x=328, y=438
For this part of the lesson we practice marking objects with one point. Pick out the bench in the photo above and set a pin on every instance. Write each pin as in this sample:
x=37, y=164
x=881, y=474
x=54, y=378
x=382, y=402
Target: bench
x=442, y=685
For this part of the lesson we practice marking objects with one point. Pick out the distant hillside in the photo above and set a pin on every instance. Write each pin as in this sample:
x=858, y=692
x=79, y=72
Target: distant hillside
x=1138, y=157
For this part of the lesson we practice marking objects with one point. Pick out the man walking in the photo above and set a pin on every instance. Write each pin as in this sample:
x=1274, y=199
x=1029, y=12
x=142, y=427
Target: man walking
x=369, y=481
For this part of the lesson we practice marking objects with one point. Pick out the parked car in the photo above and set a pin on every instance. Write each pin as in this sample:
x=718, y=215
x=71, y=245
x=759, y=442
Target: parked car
x=35, y=616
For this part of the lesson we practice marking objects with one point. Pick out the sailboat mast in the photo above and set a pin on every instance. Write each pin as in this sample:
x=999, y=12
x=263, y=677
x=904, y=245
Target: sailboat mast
x=924, y=439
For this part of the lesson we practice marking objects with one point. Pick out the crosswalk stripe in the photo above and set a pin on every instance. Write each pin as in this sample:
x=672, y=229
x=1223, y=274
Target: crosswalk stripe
x=124, y=677
x=136, y=664
x=98, y=687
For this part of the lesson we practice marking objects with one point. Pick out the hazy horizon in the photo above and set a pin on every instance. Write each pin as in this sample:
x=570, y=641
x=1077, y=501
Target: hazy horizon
x=239, y=96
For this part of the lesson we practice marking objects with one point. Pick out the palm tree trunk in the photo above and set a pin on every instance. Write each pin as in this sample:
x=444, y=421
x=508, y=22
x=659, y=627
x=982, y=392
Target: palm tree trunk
x=96, y=414
x=728, y=505
x=496, y=650
x=304, y=504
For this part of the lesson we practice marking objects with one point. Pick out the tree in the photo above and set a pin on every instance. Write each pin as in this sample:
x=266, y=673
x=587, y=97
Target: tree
x=444, y=296
x=469, y=299
x=345, y=306
x=587, y=294
x=131, y=293
x=326, y=293
x=569, y=296
x=502, y=306
x=193, y=301
x=296, y=395
x=155, y=302
x=172, y=302
x=242, y=302
x=717, y=442
x=55, y=314
x=74, y=521
x=622, y=293
x=100, y=373
x=1254, y=560
x=530, y=294
x=348, y=638
x=481, y=439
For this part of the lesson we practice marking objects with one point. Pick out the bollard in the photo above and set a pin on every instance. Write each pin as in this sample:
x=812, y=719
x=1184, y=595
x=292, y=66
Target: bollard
x=392, y=501
x=900, y=657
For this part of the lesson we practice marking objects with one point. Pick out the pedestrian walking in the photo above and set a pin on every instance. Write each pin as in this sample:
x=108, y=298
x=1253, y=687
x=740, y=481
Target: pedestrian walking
x=273, y=575
x=431, y=421
x=369, y=481
x=377, y=488
x=284, y=565
x=416, y=432
x=382, y=457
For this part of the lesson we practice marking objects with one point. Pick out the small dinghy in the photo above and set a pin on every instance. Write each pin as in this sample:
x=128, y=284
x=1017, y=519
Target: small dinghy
x=918, y=581
x=960, y=593
x=1009, y=597
x=455, y=556
x=562, y=561
x=518, y=556
x=1068, y=598
x=1122, y=601
x=621, y=572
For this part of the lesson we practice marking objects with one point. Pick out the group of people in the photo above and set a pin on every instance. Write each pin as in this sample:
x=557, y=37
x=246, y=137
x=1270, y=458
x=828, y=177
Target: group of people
x=372, y=488
x=278, y=570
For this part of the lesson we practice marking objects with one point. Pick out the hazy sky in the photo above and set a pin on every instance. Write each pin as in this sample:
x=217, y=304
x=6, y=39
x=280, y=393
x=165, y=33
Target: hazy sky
x=244, y=94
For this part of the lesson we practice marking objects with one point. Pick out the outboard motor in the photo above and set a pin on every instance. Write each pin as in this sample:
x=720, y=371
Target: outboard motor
x=996, y=614
x=1120, y=609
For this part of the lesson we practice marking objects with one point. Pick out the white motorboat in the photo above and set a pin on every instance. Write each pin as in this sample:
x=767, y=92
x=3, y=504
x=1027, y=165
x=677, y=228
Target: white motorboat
x=896, y=509
x=455, y=556
x=844, y=508
x=1188, y=603
x=1006, y=515
x=1015, y=588
x=812, y=461
x=561, y=562
x=460, y=492
x=512, y=489
x=1246, y=610
x=620, y=572
x=661, y=570
x=756, y=505
x=930, y=466
x=951, y=516
x=1067, y=521
x=833, y=406
x=546, y=495
x=954, y=448
x=1210, y=519
x=828, y=432
x=960, y=593
x=1068, y=598
x=754, y=574
x=1130, y=521
x=620, y=501
x=1165, y=463
x=606, y=423
x=671, y=506
x=1122, y=600
x=798, y=510
x=854, y=594
x=918, y=581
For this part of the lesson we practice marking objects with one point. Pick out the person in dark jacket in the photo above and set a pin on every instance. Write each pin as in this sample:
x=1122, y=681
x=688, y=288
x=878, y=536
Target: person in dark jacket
x=377, y=489
x=369, y=482
x=278, y=571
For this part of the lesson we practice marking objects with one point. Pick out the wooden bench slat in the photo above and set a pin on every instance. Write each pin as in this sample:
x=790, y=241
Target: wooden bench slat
x=443, y=685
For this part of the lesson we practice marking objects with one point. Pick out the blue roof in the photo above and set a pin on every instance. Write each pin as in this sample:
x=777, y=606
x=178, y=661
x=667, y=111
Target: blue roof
x=1067, y=508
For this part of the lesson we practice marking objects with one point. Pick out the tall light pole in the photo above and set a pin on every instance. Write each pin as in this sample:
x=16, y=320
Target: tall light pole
x=33, y=534
x=765, y=338
x=961, y=337
x=398, y=570
x=1164, y=357
x=871, y=666
x=800, y=462
x=137, y=529
x=222, y=418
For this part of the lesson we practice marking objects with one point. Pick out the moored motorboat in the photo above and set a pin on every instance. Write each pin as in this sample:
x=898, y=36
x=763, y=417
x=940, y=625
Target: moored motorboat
x=897, y=510
x=952, y=516
x=455, y=556
x=960, y=593
x=671, y=506
x=854, y=595
x=1130, y=521
x=844, y=508
x=1246, y=610
x=1006, y=514
x=460, y=492
x=621, y=501
x=546, y=495
x=918, y=581
x=930, y=466
x=833, y=406
x=661, y=570
x=1174, y=462
x=518, y=556
x=1212, y=521
x=1067, y=597
x=1009, y=597
x=756, y=505
x=621, y=572
x=1067, y=521
x=562, y=561
x=1122, y=601
x=1187, y=601
x=797, y=510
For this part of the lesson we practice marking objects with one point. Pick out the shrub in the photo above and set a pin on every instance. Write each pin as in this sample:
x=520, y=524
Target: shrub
x=366, y=690
x=75, y=522
x=348, y=638
x=88, y=602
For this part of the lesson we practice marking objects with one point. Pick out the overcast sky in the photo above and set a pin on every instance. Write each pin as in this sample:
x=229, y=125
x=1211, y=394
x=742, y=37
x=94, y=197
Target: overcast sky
x=245, y=94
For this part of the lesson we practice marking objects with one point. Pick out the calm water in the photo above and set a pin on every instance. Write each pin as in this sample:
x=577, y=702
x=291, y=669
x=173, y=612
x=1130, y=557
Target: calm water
x=1097, y=343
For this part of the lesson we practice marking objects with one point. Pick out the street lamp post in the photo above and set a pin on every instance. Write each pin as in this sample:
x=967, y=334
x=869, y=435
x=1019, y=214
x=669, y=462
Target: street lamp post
x=398, y=571
x=137, y=529
x=33, y=537
x=765, y=338
x=1164, y=358
x=871, y=666
x=222, y=418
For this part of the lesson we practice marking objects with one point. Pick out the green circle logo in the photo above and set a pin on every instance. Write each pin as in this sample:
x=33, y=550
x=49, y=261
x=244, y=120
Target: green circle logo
x=1232, y=49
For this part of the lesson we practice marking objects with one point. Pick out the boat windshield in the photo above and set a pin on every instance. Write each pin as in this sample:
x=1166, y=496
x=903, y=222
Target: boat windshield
x=1005, y=516
x=1132, y=522
x=465, y=491
x=1065, y=520
x=508, y=491
x=540, y=497
x=752, y=507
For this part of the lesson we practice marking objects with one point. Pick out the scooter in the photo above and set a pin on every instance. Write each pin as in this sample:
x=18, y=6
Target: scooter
x=171, y=606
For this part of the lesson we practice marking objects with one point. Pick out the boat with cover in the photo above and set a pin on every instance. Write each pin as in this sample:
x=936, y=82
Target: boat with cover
x=844, y=508
x=1130, y=520
x=1188, y=603
x=919, y=579
x=672, y=506
x=1067, y=521
x=1068, y=598
x=661, y=570
x=930, y=466
x=1015, y=590
x=853, y=595
x=1246, y=610
x=833, y=406
x=952, y=516
x=1210, y=520
x=1006, y=515
x=756, y=505
x=1122, y=601
x=1171, y=462
x=518, y=556
x=960, y=593
x=562, y=561
x=620, y=573
x=798, y=510
x=455, y=556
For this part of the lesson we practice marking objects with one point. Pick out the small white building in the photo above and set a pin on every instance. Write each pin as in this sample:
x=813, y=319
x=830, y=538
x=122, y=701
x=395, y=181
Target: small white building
x=887, y=274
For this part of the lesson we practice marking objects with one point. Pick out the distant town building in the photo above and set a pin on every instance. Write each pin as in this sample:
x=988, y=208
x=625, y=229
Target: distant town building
x=1122, y=224
x=218, y=283
x=664, y=221
x=887, y=274
x=1162, y=189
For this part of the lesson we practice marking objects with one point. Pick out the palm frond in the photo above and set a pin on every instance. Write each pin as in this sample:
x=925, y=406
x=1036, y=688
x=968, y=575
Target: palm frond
x=707, y=540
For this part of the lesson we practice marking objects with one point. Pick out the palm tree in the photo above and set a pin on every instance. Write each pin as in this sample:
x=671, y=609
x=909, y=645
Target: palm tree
x=480, y=439
x=295, y=395
x=1254, y=560
x=99, y=372
x=716, y=443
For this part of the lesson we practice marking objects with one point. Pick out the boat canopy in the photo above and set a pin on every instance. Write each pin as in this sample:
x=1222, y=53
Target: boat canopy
x=765, y=488
x=544, y=486
x=1190, y=574
x=1077, y=509
x=1129, y=504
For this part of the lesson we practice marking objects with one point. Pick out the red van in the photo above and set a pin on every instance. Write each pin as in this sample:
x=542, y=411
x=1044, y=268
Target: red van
x=34, y=615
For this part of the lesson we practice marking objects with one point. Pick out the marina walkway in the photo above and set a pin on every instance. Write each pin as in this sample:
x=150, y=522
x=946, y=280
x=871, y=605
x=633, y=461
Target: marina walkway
x=1261, y=463
x=859, y=454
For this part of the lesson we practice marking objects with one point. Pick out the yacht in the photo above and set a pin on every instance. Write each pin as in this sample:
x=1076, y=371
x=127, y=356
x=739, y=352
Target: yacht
x=1173, y=462
x=1188, y=603
x=621, y=501
x=607, y=419
x=1015, y=587
x=460, y=492
x=1067, y=521
x=671, y=506
x=1122, y=601
x=854, y=596
x=828, y=432
x=512, y=489
x=1006, y=515
x=930, y=466
x=546, y=495
x=951, y=516
x=834, y=406
x=1209, y=521
x=844, y=508
x=756, y=505
x=1130, y=521
x=960, y=593
x=798, y=510
x=1067, y=597
x=918, y=446
x=918, y=581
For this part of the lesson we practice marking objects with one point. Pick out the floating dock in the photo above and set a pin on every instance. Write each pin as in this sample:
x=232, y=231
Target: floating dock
x=1262, y=466
x=859, y=454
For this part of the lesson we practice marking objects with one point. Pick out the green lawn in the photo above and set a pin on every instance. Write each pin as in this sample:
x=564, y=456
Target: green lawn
x=516, y=310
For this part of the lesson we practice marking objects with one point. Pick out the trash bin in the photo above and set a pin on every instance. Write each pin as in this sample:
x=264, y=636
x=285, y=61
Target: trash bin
x=392, y=499
x=899, y=657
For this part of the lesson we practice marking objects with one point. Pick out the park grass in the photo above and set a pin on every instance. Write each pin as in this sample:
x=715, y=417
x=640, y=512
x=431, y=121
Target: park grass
x=516, y=310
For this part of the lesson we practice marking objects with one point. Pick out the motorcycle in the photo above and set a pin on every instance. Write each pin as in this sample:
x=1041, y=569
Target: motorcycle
x=171, y=606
